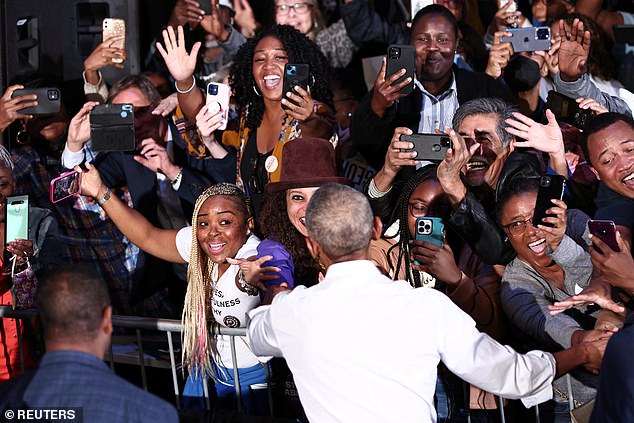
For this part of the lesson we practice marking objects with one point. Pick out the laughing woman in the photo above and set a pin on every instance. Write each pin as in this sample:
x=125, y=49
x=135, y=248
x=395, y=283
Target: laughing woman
x=217, y=294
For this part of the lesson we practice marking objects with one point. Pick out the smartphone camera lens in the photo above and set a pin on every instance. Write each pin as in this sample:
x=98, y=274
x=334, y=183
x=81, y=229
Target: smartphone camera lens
x=545, y=182
x=53, y=95
x=424, y=227
x=395, y=53
x=543, y=34
x=213, y=89
x=445, y=142
x=292, y=70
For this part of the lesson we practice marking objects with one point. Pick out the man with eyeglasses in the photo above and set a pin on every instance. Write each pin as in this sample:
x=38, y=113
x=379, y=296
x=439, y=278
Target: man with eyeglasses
x=440, y=87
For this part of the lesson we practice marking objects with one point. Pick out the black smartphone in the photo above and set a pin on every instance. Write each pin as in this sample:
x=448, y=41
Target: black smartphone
x=528, y=39
x=297, y=74
x=430, y=147
x=112, y=127
x=567, y=110
x=550, y=187
x=623, y=34
x=49, y=100
x=605, y=230
x=399, y=57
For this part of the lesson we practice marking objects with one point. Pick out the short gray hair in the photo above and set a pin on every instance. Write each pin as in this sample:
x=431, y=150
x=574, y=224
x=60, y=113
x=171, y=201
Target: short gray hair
x=339, y=219
x=485, y=106
x=5, y=158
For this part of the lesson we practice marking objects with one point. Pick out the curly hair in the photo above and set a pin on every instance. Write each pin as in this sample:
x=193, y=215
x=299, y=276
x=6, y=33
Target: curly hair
x=600, y=62
x=275, y=224
x=299, y=50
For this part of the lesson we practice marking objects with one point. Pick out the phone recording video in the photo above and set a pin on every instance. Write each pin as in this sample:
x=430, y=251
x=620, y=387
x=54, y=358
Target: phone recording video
x=64, y=186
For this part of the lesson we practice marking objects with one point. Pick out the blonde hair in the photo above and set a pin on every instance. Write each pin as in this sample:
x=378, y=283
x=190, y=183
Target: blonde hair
x=196, y=339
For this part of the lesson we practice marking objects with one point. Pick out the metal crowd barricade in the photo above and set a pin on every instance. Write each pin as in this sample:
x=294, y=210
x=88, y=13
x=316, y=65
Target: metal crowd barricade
x=169, y=326
x=139, y=324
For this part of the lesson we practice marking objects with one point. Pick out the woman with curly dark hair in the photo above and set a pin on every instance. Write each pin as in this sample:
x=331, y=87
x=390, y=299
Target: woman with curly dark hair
x=268, y=117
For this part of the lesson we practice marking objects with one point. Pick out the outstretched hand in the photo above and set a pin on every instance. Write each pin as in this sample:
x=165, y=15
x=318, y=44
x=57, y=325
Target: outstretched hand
x=253, y=272
x=574, y=50
x=180, y=63
x=588, y=296
x=91, y=184
x=544, y=138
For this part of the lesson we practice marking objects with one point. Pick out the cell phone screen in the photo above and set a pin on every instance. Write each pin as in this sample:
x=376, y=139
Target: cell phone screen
x=65, y=186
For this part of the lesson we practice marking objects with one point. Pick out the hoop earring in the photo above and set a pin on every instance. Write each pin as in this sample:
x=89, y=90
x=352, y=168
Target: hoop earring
x=22, y=137
x=255, y=90
x=312, y=80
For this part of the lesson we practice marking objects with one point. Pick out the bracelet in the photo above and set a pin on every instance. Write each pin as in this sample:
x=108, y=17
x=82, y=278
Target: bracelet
x=177, y=179
x=188, y=89
x=106, y=196
x=244, y=285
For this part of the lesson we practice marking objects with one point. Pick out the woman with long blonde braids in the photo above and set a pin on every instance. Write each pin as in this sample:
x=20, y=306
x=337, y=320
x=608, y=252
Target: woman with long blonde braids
x=217, y=294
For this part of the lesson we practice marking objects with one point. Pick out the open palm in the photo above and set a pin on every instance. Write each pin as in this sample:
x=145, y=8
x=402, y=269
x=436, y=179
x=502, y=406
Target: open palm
x=180, y=63
x=574, y=50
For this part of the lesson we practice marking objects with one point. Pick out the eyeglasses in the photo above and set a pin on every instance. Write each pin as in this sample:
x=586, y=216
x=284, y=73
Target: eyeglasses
x=299, y=8
x=418, y=209
x=257, y=181
x=518, y=227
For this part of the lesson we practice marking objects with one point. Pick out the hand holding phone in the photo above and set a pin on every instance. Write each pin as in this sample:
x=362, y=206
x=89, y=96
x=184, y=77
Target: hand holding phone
x=48, y=100
x=64, y=186
x=528, y=39
x=218, y=96
x=111, y=28
x=551, y=187
x=605, y=230
x=430, y=147
x=17, y=220
x=567, y=110
x=295, y=75
x=430, y=229
x=112, y=127
x=401, y=57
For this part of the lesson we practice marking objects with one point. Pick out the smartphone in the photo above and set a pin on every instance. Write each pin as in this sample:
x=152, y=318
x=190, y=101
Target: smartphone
x=430, y=147
x=112, y=27
x=528, y=39
x=605, y=230
x=430, y=229
x=64, y=186
x=417, y=5
x=49, y=100
x=550, y=187
x=112, y=127
x=623, y=34
x=295, y=74
x=567, y=110
x=205, y=5
x=17, y=220
x=399, y=57
x=218, y=101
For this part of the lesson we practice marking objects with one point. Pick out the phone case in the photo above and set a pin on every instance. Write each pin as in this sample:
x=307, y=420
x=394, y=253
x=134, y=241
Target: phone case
x=218, y=101
x=430, y=147
x=111, y=28
x=399, y=57
x=294, y=75
x=567, y=110
x=430, y=229
x=64, y=186
x=48, y=99
x=550, y=187
x=605, y=230
x=17, y=221
x=112, y=127
x=528, y=39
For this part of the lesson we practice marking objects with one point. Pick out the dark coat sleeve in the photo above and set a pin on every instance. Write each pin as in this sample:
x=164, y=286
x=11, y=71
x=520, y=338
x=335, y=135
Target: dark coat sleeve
x=365, y=25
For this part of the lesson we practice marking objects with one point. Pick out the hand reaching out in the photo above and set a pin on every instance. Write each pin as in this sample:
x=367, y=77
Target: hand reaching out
x=244, y=17
x=544, y=138
x=180, y=63
x=592, y=104
x=253, y=272
x=574, y=50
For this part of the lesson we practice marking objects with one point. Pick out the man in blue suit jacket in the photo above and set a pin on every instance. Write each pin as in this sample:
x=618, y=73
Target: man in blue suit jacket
x=75, y=312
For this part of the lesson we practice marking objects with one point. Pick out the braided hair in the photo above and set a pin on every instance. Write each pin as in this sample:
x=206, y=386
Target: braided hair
x=401, y=213
x=299, y=50
x=195, y=337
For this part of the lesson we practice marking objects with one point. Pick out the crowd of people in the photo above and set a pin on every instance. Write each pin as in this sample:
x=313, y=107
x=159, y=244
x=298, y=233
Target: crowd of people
x=297, y=214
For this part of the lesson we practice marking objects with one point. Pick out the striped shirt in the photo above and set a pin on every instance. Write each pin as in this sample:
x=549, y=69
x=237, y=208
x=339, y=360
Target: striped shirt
x=437, y=111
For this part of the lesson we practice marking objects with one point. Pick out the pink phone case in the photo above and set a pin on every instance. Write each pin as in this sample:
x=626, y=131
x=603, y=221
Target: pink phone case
x=64, y=186
x=218, y=100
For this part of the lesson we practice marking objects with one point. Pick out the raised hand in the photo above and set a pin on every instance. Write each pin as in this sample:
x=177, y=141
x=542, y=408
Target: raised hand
x=10, y=107
x=213, y=24
x=79, y=127
x=244, y=18
x=106, y=54
x=186, y=12
x=505, y=19
x=574, y=50
x=450, y=168
x=180, y=63
x=499, y=55
x=154, y=157
x=385, y=94
x=167, y=105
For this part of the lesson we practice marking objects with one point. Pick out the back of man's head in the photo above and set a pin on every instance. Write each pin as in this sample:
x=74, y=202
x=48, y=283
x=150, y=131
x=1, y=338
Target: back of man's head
x=339, y=219
x=71, y=303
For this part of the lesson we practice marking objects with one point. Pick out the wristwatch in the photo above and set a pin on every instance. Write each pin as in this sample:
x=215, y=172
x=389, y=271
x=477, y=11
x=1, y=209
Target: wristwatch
x=106, y=196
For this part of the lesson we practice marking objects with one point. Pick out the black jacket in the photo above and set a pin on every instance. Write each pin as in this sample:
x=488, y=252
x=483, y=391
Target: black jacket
x=372, y=135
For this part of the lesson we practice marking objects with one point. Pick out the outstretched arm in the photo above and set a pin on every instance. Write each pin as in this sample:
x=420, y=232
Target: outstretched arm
x=158, y=242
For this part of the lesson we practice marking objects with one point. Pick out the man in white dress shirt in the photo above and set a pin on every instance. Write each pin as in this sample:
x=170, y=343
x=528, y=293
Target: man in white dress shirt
x=363, y=348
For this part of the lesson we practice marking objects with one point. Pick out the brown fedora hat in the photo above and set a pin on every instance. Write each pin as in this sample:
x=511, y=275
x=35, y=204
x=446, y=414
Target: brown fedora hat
x=307, y=162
